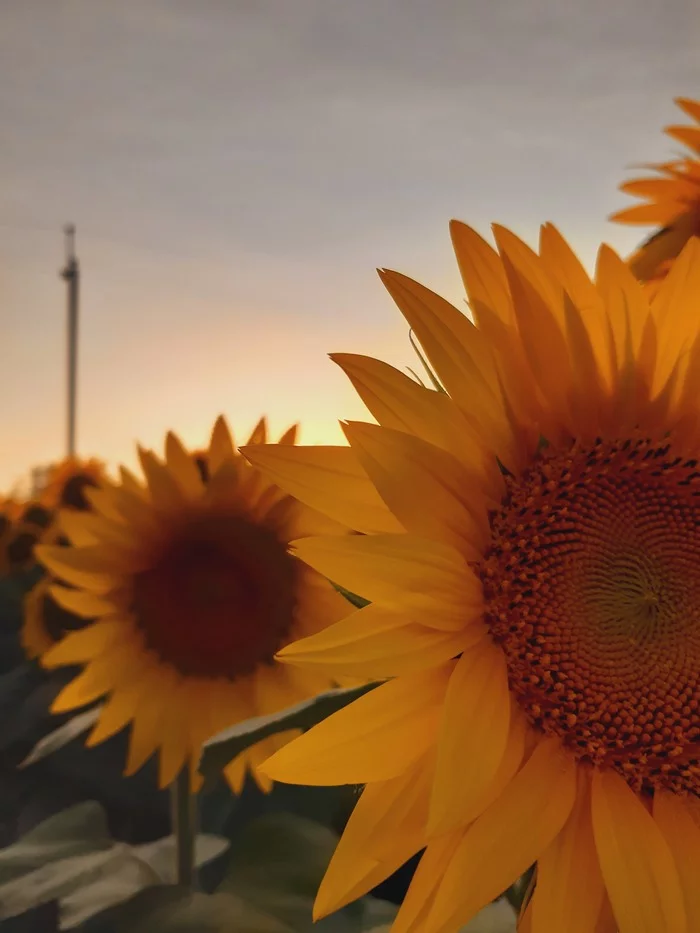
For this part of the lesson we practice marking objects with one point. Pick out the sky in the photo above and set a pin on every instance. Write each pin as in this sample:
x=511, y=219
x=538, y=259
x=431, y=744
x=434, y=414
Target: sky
x=237, y=169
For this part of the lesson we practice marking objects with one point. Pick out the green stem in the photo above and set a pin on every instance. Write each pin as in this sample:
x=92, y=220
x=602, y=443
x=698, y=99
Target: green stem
x=184, y=810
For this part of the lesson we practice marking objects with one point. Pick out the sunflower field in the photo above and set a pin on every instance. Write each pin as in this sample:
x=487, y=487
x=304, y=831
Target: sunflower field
x=442, y=679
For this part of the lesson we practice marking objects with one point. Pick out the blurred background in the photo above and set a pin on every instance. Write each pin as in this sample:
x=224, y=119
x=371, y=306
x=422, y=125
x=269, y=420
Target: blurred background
x=236, y=171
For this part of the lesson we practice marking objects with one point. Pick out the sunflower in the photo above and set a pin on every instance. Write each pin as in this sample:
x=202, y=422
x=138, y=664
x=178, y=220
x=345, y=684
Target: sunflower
x=67, y=481
x=193, y=590
x=532, y=557
x=673, y=202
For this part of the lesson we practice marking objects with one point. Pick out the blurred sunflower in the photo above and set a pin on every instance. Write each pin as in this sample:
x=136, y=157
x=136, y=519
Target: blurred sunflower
x=45, y=620
x=193, y=590
x=68, y=480
x=538, y=610
x=672, y=202
x=19, y=537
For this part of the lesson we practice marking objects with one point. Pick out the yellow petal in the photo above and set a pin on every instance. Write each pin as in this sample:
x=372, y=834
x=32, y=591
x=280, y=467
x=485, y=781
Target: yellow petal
x=512, y=758
x=221, y=447
x=539, y=313
x=473, y=736
x=235, y=773
x=199, y=724
x=483, y=276
x=162, y=485
x=426, y=581
x=636, y=862
x=562, y=262
x=318, y=604
x=520, y=258
x=259, y=433
x=130, y=482
x=569, y=891
x=256, y=755
x=103, y=502
x=183, y=467
x=290, y=435
x=151, y=720
x=682, y=834
x=120, y=708
x=673, y=308
x=400, y=403
x=174, y=742
x=81, y=603
x=420, y=897
x=606, y=918
x=86, y=567
x=508, y=837
x=373, y=739
x=658, y=214
x=385, y=829
x=273, y=690
x=457, y=350
x=691, y=107
x=87, y=643
x=329, y=479
x=304, y=522
x=430, y=491
x=374, y=643
x=79, y=527
x=687, y=135
x=136, y=510
x=100, y=676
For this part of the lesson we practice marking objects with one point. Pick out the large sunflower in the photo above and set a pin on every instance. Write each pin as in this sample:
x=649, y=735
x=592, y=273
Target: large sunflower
x=672, y=202
x=532, y=554
x=193, y=590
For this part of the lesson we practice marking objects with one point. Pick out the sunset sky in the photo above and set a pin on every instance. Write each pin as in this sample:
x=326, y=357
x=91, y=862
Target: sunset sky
x=237, y=169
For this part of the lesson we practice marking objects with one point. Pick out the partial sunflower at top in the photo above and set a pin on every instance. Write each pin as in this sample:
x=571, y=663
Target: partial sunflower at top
x=672, y=202
x=193, y=590
x=539, y=609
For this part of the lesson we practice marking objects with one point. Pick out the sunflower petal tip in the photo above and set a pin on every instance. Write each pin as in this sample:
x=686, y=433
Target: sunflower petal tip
x=321, y=909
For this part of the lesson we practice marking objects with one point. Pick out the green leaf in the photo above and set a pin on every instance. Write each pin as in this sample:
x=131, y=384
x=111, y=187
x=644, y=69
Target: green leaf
x=353, y=598
x=224, y=747
x=13, y=588
x=277, y=866
x=43, y=919
x=173, y=910
x=75, y=831
x=26, y=693
x=70, y=730
x=70, y=858
x=498, y=917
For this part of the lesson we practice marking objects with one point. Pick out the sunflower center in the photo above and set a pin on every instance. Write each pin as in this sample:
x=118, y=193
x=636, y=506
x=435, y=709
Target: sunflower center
x=218, y=598
x=592, y=587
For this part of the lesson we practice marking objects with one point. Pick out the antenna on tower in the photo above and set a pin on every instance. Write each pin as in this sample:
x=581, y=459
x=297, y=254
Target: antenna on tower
x=71, y=274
